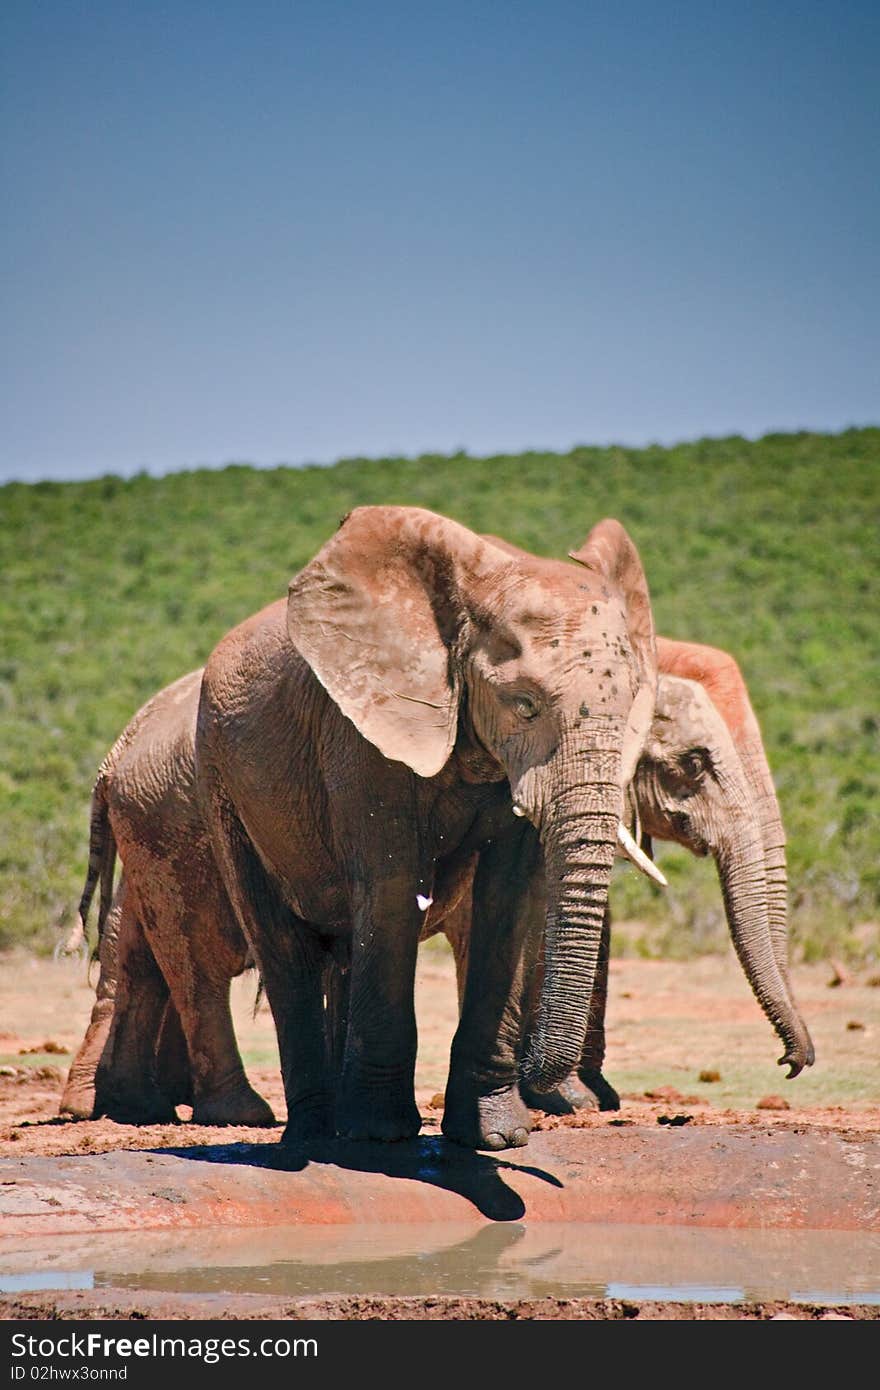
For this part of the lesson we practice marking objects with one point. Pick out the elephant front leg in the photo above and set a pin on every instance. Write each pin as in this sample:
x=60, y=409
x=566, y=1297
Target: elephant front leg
x=377, y=1087
x=593, y=1056
x=292, y=962
x=293, y=970
x=484, y=1108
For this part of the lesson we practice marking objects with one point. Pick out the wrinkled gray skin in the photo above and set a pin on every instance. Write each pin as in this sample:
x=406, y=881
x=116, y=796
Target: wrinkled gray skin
x=693, y=784
x=344, y=782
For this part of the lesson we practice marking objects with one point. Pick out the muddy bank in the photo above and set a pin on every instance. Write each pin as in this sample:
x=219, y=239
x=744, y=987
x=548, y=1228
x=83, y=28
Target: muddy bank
x=428, y=1230
x=676, y=1175
x=146, y=1306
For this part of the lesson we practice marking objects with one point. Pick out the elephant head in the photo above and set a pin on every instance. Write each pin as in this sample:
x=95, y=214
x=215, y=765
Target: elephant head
x=703, y=781
x=430, y=638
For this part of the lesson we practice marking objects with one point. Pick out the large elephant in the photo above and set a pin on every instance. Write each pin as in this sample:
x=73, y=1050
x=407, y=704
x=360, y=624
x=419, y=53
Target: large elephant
x=352, y=753
x=703, y=779
x=485, y=634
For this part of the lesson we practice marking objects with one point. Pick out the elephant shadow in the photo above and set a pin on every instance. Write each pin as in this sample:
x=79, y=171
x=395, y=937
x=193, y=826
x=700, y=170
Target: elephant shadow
x=478, y=1177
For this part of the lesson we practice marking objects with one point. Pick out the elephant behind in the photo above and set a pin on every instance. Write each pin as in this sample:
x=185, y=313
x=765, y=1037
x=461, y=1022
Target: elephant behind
x=702, y=781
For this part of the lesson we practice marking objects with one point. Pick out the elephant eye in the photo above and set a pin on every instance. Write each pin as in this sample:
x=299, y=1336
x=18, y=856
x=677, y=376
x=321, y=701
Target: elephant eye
x=682, y=777
x=695, y=763
x=525, y=706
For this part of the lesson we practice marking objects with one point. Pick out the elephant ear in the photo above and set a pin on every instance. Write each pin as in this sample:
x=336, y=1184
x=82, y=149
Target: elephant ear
x=719, y=675
x=378, y=615
x=610, y=553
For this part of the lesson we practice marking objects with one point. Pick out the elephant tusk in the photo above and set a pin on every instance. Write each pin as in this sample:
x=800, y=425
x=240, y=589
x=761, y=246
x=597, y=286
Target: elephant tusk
x=423, y=902
x=75, y=938
x=518, y=810
x=638, y=856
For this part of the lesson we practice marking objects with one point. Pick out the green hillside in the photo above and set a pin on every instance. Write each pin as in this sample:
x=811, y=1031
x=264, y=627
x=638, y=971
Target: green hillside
x=112, y=588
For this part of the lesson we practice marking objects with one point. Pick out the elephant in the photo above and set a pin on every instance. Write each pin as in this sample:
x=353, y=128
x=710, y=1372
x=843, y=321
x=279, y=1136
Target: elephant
x=703, y=781
x=146, y=786
x=352, y=752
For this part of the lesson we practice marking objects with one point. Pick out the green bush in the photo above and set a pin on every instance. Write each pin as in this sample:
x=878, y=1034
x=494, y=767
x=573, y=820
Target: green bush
x=112, y=588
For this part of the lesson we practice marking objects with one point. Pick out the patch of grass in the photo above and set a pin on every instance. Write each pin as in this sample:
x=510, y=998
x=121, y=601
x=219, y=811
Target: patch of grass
x=113, y=588
x=742, y=1086
x=35, y=1059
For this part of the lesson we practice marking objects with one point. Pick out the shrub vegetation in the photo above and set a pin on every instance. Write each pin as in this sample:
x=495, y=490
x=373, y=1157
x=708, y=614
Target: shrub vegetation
x=112, y=588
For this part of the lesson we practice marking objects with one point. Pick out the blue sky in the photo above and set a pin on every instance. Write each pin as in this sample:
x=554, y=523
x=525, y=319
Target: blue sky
x=285, y=232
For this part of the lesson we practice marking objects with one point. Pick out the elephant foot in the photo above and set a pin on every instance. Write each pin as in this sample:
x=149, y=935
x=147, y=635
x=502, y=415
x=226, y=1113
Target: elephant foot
x=130, y=1102
x=78, y=1101
x=242, y=1106
x=499, y=1120
x=567, y=1098
x=388, y=1115
x=581, y=1090
x=308, y=1118
x=140, y=1110
x=603, y=1090
x=297, y=1131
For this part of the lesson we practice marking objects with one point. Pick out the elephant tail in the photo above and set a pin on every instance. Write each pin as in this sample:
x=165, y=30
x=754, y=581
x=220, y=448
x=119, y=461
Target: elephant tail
x=102, y=861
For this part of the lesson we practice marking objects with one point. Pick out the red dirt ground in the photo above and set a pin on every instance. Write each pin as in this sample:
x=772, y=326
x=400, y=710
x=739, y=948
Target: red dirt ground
x=669, y=1025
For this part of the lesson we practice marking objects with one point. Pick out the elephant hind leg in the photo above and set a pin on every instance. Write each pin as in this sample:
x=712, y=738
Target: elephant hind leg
x=79, y=1099
x=172, y=1058
x=199, y=950
x=127, y=1084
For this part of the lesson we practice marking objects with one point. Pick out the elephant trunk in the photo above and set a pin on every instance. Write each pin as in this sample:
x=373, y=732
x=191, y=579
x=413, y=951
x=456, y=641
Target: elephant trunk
x=743, y=879
x=578, y=834
x=757, y=769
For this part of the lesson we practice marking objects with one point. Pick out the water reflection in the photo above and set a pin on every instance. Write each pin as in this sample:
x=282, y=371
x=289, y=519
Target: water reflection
x=515, y=1260
x=35, y=1281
